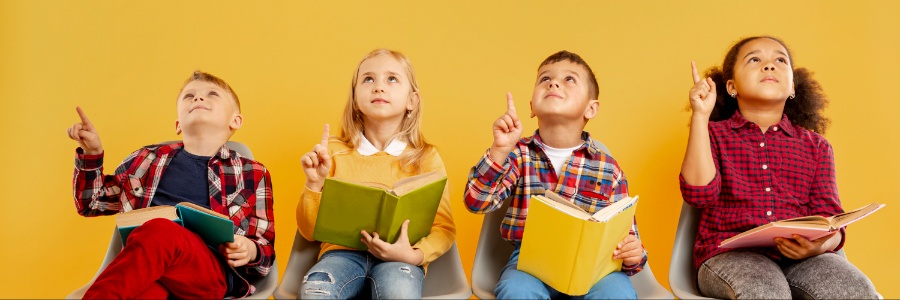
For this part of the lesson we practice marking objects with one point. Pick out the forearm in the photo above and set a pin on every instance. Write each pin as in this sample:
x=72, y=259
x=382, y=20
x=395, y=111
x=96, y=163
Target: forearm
x=442, y=235
x=307, y=212
x=489, y=183
x=698, y=167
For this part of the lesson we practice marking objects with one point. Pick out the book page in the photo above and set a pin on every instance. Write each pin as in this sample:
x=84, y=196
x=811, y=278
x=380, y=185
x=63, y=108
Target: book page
x=139, y=216
x=409, y=184
x=202, y=209
x=614, y=209
x=844, y=219
x=558, y=202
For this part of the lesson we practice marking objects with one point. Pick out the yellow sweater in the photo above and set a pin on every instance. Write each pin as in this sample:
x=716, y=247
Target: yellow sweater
x=349, y=164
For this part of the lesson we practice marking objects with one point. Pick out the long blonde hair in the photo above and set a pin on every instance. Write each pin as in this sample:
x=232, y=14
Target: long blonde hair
x=352, y=123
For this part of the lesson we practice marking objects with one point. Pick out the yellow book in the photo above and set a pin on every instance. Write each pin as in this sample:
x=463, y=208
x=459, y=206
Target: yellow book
x=570, y=249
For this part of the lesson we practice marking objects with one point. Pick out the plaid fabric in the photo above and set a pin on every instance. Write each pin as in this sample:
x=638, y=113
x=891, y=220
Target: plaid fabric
x=238, y=187
x=786, y=172
x=591, y=179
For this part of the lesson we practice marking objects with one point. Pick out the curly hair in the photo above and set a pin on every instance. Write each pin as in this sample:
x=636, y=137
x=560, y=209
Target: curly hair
x=805, y=109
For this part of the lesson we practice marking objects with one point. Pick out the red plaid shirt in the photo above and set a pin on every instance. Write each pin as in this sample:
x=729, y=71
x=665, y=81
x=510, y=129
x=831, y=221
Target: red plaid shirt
x=591, y=178
x=784, y=173
x=239, y=188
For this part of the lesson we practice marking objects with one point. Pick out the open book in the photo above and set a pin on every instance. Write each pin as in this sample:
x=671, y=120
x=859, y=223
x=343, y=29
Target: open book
x=811, y=227
x=569, y=248
x=214, y=228
x=347, y=208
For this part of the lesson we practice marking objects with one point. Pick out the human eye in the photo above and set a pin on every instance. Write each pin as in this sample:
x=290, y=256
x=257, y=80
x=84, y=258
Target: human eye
x=213, y=93
x=368, y=79
x=781, y=60
x=570, y=79
x=188, y=96
x=545, y=78
x=393, y=79
x=753, y=59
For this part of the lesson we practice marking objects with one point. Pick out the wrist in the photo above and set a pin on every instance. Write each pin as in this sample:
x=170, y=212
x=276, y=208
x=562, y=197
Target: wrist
x=314, y=186
x=498, y=154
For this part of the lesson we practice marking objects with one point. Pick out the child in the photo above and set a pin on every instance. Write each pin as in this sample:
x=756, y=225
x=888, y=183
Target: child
x=162, y=259
x=380, y=142
x=755, y=155
x=560, y=157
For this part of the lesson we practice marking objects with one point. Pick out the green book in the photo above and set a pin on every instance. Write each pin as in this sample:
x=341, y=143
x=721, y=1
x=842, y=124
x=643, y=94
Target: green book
x=214, y=228
x=347, y=208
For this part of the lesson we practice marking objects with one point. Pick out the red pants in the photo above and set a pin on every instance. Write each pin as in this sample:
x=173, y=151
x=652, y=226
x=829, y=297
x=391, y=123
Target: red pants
x=161, y=258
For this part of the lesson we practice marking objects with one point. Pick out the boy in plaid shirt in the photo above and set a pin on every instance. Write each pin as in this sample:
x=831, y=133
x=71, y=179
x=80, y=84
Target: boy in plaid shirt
x=162, y=259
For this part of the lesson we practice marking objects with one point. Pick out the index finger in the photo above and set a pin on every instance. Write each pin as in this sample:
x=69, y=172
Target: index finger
x=84, y=118
x=694, y=72
x=510, y=105
x=324, y=141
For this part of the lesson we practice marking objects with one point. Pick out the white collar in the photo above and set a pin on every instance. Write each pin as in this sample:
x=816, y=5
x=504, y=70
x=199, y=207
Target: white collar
x=395, y=147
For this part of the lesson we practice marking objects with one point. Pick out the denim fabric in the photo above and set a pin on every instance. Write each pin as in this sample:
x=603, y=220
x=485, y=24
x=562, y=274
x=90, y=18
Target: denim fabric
x=750, y=275
x=343, y=274
x=515, y=284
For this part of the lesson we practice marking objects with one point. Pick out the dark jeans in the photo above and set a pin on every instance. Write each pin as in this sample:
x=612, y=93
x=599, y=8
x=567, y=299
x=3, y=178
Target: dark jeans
x=750, y=275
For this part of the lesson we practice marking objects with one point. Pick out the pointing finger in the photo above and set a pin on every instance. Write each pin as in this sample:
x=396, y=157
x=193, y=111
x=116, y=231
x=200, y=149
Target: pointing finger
x=84, y=118
x=324, y=141
x=694, y=72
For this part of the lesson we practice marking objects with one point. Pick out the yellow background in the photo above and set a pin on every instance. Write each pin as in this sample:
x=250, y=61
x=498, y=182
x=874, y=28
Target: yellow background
x=291, y=62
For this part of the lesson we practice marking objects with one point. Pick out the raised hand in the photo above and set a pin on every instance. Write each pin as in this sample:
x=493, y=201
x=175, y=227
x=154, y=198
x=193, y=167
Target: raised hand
x=703, y=94
x=85, y=134
x=507, y=132
x=317, y=163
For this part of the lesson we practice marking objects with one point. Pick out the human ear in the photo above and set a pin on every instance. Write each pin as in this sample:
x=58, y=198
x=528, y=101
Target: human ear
x=413, y=101
x=592, y=109
x=729, y=86
x=236, y=121
x=531, y=106
x=177, y=128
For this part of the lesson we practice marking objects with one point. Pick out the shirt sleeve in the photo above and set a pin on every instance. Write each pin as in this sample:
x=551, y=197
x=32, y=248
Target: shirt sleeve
x=620, y=191
x=96, y=194
x=261, y=228
x=824, y=199
x=443, y=229
x=489, y=182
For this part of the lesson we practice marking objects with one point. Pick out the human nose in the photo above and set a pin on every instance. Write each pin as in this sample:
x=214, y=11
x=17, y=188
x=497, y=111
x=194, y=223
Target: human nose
x=552, y=83
x=377, y=88
x=198, y=98
x=769, y=67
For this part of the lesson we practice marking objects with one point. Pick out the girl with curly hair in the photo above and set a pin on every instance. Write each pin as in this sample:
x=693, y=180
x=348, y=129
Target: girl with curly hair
x=755, y=155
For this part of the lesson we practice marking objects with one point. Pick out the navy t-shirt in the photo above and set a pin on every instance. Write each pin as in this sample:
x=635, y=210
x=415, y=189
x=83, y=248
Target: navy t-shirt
x=185, y=180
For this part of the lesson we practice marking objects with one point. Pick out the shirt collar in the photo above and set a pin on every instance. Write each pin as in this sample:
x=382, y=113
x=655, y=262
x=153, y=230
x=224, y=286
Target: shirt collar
x=224, y=153
x=592, y=150
x=737, y=121
x=395, y=147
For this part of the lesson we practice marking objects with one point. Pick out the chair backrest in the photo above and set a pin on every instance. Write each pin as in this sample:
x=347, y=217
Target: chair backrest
x=445, y=279
x=264, y=286
x=682, y=278
x=492, y=254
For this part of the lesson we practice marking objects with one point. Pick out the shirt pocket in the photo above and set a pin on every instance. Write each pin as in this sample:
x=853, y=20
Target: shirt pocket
x=593, y=195
x=795, y=176
x=134, y=186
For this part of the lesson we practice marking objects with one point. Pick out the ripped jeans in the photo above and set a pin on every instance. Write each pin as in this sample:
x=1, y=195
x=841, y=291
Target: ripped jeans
x=343, y=274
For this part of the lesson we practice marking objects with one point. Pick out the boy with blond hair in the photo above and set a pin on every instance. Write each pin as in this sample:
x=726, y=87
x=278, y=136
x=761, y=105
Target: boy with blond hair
x=560, y=157
x=162, y=259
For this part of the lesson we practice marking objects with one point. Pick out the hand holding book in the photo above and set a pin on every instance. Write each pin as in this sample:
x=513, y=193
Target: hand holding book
x=798, y=247
x=400, y=251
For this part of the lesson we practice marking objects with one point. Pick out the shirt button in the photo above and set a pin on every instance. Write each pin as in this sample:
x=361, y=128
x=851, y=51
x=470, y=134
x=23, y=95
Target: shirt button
x=775, y=128
x=768, y=189
x=765, y=167
x=762, y=144
x=769, y=213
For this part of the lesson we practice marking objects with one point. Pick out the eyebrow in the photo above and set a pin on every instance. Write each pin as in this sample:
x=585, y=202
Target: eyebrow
x=373, y=73
x=757, y=51
x=565, y=71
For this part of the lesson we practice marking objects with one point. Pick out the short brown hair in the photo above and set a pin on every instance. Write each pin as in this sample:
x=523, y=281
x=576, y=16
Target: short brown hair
x=593, y=88
x=203, y=76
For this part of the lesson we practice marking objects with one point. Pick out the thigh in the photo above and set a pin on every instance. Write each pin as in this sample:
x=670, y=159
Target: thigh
x=615, y=285
x=396, y=280
x=337, y=274
x=515, y=284
x=742, y=275
x=828, y=276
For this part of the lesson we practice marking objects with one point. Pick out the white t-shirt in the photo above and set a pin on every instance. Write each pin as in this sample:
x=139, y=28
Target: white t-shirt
x=558, y=157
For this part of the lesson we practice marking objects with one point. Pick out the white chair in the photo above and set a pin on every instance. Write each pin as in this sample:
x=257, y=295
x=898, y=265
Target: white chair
x=264, y=286
x=446, y=278
x=682, y=277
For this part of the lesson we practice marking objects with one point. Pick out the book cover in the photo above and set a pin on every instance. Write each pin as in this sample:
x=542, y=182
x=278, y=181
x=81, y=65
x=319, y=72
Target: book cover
x=346, y=208
x=214, y=228
x=810, y=227
x=570, y=249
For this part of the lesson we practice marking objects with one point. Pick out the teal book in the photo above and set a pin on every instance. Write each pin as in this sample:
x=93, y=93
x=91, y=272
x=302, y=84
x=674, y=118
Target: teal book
x=214, y=228
x=347, y=208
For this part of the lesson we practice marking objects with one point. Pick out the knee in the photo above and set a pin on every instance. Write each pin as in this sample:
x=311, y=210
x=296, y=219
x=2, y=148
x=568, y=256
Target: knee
x=317, y=284
x=521, y=287
x=156, y=229
x=615, y=285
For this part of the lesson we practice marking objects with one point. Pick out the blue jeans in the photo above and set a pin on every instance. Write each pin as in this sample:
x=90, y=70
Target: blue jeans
x=515, y=284
x=343, y=274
